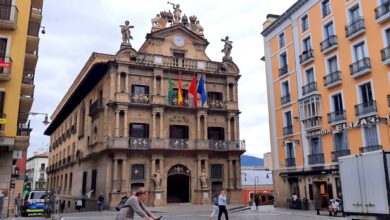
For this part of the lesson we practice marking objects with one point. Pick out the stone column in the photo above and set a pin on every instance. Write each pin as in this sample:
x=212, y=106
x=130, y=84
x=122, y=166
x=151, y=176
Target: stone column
x=198, y=127
x=154, y=125
x=115, y=175
x=112, y=85
x=205, y=128
x=238, y=174
x=118, y=85
x=127, y=83
x=117, y=123
x=161, y=124
x=198, y=173
x=227, y=92
x=126, y=125
x=153, y=166
x=230, y=174
x=234, y=93
x=154, y=85
x=228, y=128
x=124, y=175
x=235, y=128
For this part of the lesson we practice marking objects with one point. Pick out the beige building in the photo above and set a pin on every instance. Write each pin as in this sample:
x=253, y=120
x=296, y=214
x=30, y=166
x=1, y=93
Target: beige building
x=120, y=125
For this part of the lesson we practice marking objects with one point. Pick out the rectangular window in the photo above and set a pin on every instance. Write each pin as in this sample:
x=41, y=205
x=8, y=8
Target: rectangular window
x=93, y=181
x=283, y=60
x=316, y=145
x=354, y=13
x=340, y=141
x=328, y=30
x=337, y=102
x=309, y=76
x=137, y=172
x=282, y=40
x=184, y=93
x=178, y=132
x=42, y=166
x=359, y=51
x=214, y=95
x=285, y=88
x=306, y=44
x=140, y=90
x=216, y=133
x=332, y=64
x=139, y=130
x=370, y=135
x=387, y=36
x=325, y=7
x=310, y=107
x=305, y=23
x=84, y=186
x=365, y=93
x=287, y=118
x=216, y=172
x=289, y=150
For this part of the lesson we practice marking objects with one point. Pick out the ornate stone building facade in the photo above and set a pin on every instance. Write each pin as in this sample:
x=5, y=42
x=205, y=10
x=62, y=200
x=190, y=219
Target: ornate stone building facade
x=122, y=124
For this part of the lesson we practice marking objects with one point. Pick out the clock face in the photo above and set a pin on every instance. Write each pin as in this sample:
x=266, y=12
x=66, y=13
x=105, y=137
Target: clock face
x=178, y=40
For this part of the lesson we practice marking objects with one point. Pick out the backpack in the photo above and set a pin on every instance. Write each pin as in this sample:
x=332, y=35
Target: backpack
x=215, y=201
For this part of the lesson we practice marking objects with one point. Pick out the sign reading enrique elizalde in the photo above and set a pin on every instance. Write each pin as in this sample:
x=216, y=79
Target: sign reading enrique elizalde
x=361, y=122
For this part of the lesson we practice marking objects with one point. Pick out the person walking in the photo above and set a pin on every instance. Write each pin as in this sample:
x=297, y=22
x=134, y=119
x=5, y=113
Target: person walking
x=18, y=205
x=100, y=202
x=215, y=206
x=62, y=206
x=79, y=204
x=222, y=205
x=135, y=204
x=257, y=201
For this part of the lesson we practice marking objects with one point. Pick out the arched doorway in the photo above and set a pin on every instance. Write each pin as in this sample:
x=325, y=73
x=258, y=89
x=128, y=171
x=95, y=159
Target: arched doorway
x=179, y=184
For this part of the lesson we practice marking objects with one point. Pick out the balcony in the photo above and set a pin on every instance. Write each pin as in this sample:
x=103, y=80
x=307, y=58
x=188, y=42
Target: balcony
x=285, y=99
x=37, y=4
x=96, y=107
x=288, y=130
x=27, y=86
x=179, y=63
x=178, y=143
x=360, y=67
x=174, y=102
x=309, y=88
x=140, y=99
x=139, y=143
x=307, y=56
x=340, y=153
x=382, y=12
x=216, y=104
x=25, y=103
x=5, y=68
x=355, y=28
x=8, y=17
x=329, y=44
x=283, y=70
x=336, y=117
x=385, y=53
x=365, y=108
x=370, y=148
x=312, y=123
x=316, y=158
x=290, y=162
x=332, y=79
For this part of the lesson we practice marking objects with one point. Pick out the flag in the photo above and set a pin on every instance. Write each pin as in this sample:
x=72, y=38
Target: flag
x=170, y=92
x=180, y=92
x=201, y=90
x=192, y=90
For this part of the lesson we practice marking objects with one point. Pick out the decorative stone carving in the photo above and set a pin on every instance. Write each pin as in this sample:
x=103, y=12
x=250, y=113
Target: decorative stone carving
x=200, y=28
x=193, y=26
x=203, y=179
x=227, y=49
x=156, y=21
x=184, y=20
x=179, y=119
x=157, y=179
x=126, y=34
x=176, y=13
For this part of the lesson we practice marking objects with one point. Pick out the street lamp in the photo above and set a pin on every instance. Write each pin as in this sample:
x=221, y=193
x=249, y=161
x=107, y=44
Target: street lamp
x=46, y=121
x=267, y=176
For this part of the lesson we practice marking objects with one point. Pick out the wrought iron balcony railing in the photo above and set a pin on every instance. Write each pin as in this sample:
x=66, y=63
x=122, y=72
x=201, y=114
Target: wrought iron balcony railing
x=363, y=65
x=178, y=143
x=385, y=53
x=290, y=162
x=288, y=130
x=365, y=108
x=332, y=78
x=9, y=13
x=316, y=158
x=382, y=9
x=175, y=102
x=24, y=129
x=306, y=56
x=339, y=153
x=326, y=10
x=336, y=116
x=139, y=143
x=330, y=42
x=356, y=26
x=140, y=98
x=96, y=107
x=283, y=70
x=370, y=148
x=285, y=99
x=6, y=67
x=216, y=104
x=308, y=88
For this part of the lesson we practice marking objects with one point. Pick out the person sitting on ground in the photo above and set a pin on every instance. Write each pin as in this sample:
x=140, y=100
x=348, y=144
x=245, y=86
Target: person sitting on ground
x=333, y=207
x=135, y=205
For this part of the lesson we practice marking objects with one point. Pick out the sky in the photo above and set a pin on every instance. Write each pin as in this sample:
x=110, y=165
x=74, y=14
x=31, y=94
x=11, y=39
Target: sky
x=76, y=28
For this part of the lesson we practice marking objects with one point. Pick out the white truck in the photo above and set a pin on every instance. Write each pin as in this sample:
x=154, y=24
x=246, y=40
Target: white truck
x=366, y=185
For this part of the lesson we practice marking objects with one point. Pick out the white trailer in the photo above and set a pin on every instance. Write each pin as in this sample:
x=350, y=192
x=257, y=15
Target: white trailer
x=365, y=184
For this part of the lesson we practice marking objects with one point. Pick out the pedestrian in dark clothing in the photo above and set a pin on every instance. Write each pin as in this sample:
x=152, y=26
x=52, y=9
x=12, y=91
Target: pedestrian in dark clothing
x=100, y=203
x=257, y=201
x=222, y=205
x=62, y=206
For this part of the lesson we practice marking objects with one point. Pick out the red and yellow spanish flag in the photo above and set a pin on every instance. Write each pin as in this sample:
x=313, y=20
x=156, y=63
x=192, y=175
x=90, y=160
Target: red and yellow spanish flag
x=180, y=92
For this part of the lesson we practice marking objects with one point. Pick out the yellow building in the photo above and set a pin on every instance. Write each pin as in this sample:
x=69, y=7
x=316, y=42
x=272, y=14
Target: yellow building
x=20, y=22
x=328, y=86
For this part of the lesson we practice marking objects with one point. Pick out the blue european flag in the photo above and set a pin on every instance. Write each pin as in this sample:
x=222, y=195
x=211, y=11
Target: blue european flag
x=201, y=90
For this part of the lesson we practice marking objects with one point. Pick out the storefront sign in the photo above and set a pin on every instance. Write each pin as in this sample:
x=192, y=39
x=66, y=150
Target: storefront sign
x=3, y=121
x=340, y=127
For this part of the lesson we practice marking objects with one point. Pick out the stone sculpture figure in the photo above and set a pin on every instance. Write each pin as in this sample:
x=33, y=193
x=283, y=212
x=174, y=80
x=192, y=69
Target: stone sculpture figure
x=199, y=27
x=176, y=13
x=203, y=179
x=156, y=21
x=227, y=49
x=157, y=179
x=126, y=34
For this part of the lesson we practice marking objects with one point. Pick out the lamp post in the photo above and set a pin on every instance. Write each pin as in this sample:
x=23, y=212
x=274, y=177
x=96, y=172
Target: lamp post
x=256, y=179
x=46, y=121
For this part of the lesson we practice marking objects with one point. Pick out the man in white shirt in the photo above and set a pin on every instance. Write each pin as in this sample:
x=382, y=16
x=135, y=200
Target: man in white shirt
x=222, y=205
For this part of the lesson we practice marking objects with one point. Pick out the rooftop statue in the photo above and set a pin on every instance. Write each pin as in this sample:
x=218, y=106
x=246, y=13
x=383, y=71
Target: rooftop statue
x=156, y=21
x=176, y=13
x=126, y=34
x=227, y=49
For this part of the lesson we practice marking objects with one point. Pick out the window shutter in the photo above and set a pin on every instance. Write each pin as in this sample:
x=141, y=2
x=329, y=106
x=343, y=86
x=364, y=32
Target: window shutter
x=146, y=131
x=130, y=129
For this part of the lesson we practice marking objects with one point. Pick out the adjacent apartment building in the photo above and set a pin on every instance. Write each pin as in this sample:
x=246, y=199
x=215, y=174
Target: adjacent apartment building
x=20, y=22
x=129, y=120
x=36, y=170
x=328, y=80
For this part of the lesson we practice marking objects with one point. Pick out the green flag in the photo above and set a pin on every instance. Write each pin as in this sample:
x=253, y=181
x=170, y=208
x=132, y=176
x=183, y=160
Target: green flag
x=170, y=92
